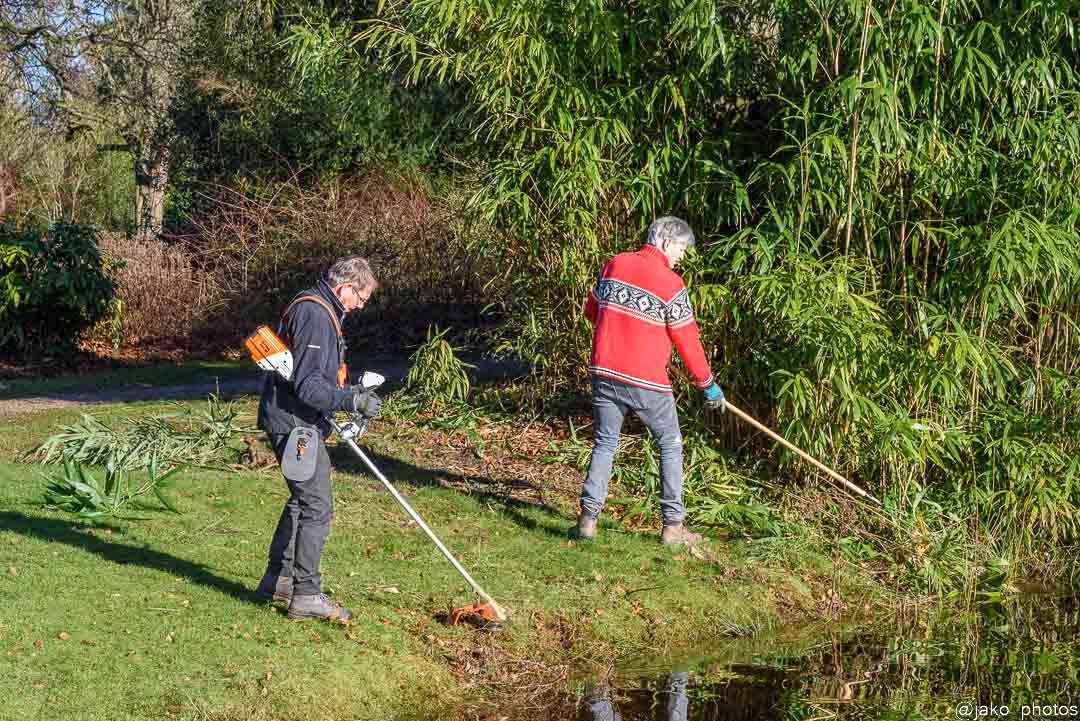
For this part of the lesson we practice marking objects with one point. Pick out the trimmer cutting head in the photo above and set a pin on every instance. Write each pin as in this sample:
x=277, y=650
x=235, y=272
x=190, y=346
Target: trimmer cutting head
x=483, y=616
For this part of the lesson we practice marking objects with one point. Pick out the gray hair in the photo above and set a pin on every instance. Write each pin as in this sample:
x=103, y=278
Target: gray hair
x=670, y=228
x=353, y=269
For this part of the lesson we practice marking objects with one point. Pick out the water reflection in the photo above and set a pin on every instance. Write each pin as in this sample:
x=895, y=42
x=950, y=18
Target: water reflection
x=1022, y=654
x=602, y=709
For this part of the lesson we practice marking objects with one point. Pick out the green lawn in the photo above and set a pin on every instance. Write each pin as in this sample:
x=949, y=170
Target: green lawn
x=161, y=621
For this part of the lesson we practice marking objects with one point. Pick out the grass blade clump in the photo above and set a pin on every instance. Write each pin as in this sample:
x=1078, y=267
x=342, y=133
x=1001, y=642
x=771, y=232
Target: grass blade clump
x=438, y=377
x=77, y=490
x=183, y=437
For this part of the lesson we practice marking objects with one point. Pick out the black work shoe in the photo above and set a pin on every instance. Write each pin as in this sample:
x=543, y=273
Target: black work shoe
x=679, y=535
x=274, y=588
x=318, y=605
x=585, y=529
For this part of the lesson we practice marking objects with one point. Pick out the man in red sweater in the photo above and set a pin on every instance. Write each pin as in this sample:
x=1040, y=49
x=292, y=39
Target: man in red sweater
x=638, y=308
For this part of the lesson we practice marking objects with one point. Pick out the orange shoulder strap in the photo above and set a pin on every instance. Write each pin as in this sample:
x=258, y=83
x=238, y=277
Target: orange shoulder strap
x=342, y=371
x=320, y=301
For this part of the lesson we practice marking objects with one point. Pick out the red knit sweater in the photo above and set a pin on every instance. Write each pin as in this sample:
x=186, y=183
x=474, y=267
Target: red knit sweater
x=639, y=307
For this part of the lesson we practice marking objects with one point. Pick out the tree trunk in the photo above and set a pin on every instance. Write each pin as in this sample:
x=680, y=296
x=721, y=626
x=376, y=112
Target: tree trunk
x=151, y=178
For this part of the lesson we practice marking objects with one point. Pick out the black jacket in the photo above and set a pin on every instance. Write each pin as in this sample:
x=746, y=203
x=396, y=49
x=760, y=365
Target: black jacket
x=312, y=394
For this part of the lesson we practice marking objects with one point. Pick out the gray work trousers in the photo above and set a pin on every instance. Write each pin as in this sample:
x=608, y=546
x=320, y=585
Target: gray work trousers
x=612, y=400
x=296, y=548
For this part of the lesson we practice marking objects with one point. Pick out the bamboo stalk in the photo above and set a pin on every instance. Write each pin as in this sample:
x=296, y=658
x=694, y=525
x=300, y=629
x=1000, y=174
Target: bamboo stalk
x=801, y=453
x=937, y=56
x=855, y=131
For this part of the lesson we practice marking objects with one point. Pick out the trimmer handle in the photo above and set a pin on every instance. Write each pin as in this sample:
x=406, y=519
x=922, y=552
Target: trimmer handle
x=358, y=425
x=354, y=428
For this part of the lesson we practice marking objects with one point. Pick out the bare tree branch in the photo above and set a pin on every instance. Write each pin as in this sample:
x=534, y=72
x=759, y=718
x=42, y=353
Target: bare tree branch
x=97, y=65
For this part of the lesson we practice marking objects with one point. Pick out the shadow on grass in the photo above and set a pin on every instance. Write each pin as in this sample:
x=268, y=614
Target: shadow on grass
x=515, y=496
x=57, y=531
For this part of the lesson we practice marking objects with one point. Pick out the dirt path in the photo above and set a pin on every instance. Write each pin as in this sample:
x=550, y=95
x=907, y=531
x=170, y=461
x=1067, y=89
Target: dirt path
x=186, y=391
x=394, y=368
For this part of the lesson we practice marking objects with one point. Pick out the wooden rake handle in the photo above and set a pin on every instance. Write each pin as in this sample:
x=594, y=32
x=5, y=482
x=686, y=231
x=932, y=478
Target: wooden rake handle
x=801, y=453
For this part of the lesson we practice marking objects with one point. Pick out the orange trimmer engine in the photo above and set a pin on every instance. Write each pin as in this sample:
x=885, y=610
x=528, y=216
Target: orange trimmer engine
x=269, y=352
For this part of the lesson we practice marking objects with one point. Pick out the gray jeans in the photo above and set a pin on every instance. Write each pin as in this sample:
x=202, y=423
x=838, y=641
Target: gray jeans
x=612, y=400
x=296, y=548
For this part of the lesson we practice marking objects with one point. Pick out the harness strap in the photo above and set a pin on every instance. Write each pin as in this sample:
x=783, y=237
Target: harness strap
x=342, y=371
x=320, y=301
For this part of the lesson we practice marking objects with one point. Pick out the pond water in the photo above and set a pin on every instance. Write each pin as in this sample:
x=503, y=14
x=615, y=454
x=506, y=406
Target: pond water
x=1014, y=660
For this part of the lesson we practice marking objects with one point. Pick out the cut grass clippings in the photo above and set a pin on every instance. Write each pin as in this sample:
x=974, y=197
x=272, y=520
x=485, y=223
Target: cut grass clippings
x=159, y=620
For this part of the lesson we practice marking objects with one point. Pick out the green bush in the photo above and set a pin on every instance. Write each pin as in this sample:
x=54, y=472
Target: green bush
x=52, y=287
x=14, y=268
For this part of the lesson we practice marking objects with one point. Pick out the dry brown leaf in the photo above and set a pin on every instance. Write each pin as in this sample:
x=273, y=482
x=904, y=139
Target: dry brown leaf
x=39, y=644
x=13, y=572
x=678, y=558
x=63, y=635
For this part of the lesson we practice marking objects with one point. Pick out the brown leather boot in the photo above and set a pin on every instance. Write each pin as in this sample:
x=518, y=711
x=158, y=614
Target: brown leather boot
x=585, y=529
x=679, y=535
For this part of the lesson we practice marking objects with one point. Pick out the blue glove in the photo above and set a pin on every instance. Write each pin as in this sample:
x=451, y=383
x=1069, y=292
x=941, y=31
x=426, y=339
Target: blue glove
x=714, y=398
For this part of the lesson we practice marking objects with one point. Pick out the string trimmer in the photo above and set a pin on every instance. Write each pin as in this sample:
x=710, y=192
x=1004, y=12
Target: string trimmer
x=272, y=354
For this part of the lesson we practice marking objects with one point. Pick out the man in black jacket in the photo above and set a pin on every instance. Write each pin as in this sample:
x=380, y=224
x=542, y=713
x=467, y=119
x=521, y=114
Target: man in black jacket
x=294, y=413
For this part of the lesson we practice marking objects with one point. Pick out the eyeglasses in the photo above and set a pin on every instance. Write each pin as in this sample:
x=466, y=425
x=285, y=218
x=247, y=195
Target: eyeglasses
x=363, y=298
